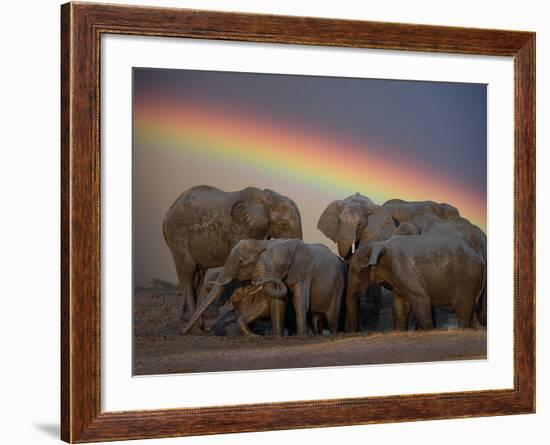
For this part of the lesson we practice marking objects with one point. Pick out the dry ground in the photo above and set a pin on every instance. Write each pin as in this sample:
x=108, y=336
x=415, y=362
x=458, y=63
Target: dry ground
x=158, y=349
x=180, y=354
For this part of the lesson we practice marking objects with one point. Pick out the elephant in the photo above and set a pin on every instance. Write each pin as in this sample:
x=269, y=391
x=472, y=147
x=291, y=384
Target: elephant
x=248, y=302
x=423, y=271
x=431, y=224
x=402, y=211
x=354, y=221
x=240, y=267
x=315, y=276
x=204, y=223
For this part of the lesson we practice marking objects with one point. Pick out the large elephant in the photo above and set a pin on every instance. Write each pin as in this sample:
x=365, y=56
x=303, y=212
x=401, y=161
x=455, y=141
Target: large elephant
x=204, y=223
x=402, y=211
x=354, y=221
x=240, y=267
x=431, y=224
x=351, y=223
x=423, y=271
x=315, y=276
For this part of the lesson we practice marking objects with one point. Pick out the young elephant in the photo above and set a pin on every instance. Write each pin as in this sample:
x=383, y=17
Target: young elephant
x=423, y=271
x=315, y=276
x=240, y=266
x=248, y=302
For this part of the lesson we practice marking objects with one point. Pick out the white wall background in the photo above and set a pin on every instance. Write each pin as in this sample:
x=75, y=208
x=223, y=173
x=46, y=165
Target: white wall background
x=29, y=227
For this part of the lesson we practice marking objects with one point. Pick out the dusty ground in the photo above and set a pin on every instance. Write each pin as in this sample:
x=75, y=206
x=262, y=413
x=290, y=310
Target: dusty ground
x=179, y=354
x=158, y=349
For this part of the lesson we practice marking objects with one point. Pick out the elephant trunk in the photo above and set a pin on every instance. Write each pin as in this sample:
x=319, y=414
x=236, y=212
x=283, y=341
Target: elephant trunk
x=214, y=294
x=346, y=240
x=274, y=287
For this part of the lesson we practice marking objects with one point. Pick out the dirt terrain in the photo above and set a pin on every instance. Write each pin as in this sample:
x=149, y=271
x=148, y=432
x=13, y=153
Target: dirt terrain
x=159, y=349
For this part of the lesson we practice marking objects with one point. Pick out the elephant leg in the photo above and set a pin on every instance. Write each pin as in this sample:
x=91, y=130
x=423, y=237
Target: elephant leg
x=352, y=313
x=401, y=312
x=278, y=309
x=245, y=330
x=300, y=299
x=465, y=313
x=422, y=308
x=333, y=321
x=254, y=310
x=315, y=324
x=334, y=313
x=186, y=268
x=198, y=280
x=375, y=295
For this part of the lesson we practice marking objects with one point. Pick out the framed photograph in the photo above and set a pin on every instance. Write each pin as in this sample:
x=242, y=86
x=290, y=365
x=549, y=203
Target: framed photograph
x=274, y=222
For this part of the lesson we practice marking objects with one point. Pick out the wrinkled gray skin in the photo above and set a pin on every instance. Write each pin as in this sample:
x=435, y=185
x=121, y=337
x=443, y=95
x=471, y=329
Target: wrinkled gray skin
x=248, y=302
x=434, y=225
x=241, y=266
x=403, y=211
x=315, y=276
x=355, y=221
x=351, y=223
x=423, y=271
x=204, y=223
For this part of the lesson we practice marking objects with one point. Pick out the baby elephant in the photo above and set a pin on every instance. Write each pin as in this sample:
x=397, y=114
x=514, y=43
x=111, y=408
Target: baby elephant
x=314, y=275
x=423, y=271
x=243, y=303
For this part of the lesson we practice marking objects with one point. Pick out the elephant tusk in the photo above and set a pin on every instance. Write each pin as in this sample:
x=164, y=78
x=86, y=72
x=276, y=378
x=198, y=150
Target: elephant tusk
x=353, y=248
x=257, y=290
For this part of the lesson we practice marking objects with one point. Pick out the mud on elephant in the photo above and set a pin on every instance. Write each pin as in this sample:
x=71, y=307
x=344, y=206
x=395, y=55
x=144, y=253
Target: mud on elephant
x=309, y=276
x=423, y=271
x=355, y=221
x=204, y=223
x=403, y=211
x=315, y=276
x=431, y=224
x=241, y=267
x=237, y=308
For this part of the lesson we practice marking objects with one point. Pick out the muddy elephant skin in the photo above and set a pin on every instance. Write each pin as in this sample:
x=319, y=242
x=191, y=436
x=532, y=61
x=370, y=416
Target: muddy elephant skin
x=403, y=211
x=241, y=266
x=423, y=271
x=204, y=223
x=434, y=225
x=354, y=221
x=248, y=302
x=315, y=276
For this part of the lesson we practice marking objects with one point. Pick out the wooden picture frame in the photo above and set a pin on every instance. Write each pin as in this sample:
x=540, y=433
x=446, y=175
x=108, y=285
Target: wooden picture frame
x=82, y=26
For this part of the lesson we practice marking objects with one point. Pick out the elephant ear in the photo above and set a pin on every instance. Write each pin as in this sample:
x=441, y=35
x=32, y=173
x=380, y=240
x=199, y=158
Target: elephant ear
x=251, y=214
x=301, y=266
x=378, y=249
x=329, y=221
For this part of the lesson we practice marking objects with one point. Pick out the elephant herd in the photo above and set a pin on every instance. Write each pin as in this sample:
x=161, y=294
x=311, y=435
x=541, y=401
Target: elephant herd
x=243, y=251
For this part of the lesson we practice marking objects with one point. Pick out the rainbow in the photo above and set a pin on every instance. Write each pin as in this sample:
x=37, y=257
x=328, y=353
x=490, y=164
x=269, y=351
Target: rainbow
x=324, y=161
